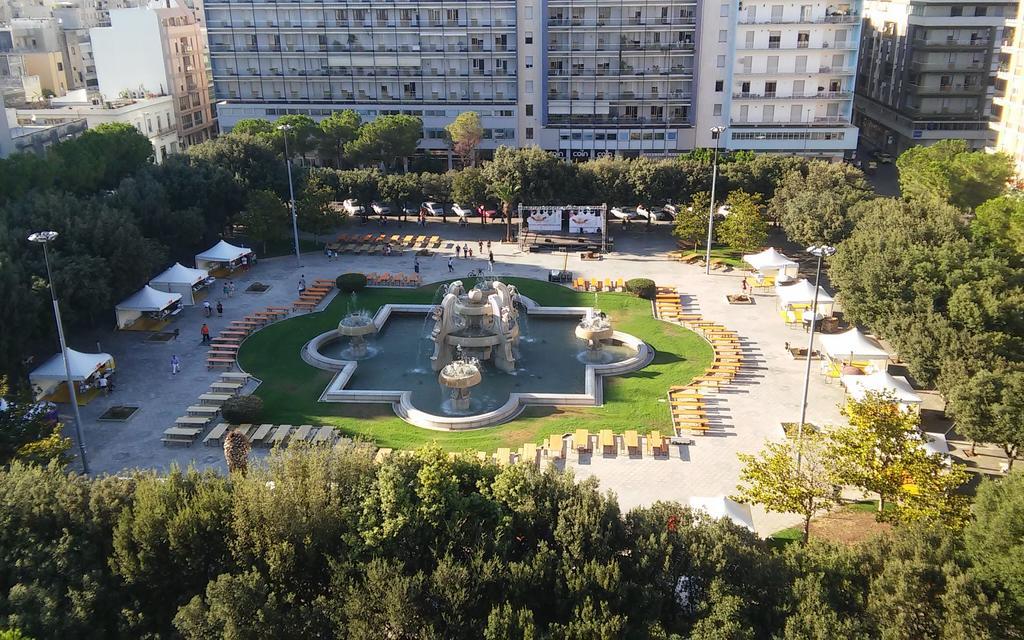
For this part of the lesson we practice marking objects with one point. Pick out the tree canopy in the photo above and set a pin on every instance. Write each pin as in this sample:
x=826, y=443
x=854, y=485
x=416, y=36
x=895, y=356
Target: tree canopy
x=950, y=171
x=466, y=132
x=816, y=203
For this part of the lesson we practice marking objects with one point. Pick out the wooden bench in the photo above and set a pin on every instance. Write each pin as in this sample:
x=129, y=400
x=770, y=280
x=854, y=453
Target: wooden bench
x=219, y=362
x=304, y=304
x=235, y=376
x=261, y=433
x=324, y=435
x=607, y=439
x=655, y=443
x=554, y=445
x=283, y=310
x=202, y=410
x=216, y=434
x=528, y=453
x=302, y=433
x=234, y=334
x=214, y=398
x=631, y=439
x=281, y=434
x=382, y=454
x=192, y=421
x=230, y=387
x=581, y=440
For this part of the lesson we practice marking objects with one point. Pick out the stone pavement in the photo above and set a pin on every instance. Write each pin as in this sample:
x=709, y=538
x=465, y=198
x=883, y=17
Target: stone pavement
x=747, y=412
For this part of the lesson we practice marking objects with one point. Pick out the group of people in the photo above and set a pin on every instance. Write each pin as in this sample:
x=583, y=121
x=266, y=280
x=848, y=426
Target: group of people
x=229, y=288
x=465, y=251
x=208, y=309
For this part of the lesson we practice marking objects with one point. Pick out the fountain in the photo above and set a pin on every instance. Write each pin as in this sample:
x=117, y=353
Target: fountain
x=592, y=329
x=460, y=376
x=356, y=326
x=482, y=322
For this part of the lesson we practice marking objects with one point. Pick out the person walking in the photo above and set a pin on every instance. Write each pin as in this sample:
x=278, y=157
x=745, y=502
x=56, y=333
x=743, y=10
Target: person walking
x=245, y=263
x=488, y=245
x=226, y=288
x=104, y=385
x=416, y=265
x=231, y=288
x=175, y=365
x=458, y=251
x=470, y=250
x=204, y=331
x=480, y=247
x=207, y=309
x=465, y=250
x=220, y=309
x=490, y=258
x=302, y=283
x=451, y=267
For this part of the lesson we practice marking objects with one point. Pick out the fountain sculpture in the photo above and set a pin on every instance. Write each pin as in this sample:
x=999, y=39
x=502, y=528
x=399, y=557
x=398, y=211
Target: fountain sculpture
x=592, y=329
x=481, y=322
x=460, y=376
x=356, y=326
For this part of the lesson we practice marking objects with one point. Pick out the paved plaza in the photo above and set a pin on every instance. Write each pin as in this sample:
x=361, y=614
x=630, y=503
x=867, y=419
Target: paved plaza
x=744, y=413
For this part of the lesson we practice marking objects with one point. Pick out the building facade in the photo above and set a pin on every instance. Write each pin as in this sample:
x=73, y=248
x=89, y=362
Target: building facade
x=927, y=71
x=157, y=50
x=1008, y=107
x=33, y=55
x=582, y=78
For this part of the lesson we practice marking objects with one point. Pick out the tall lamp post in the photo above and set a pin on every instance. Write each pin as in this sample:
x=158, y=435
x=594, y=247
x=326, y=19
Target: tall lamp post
x=819, y=250
x=717, y=133
x=291, y=191
x=44, y=238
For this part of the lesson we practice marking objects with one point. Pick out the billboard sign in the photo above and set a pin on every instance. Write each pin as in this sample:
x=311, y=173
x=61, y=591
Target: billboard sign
x=544, y=218
x=586, y=219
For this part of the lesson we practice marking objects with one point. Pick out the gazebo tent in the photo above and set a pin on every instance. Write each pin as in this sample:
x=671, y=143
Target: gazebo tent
x=222, y=254
x=145, y=300
x=722, y=507
x=49, y=375
x=882, y=382
x=799, y=296
x=183, y=280
x=771, y=263
x=853, y=347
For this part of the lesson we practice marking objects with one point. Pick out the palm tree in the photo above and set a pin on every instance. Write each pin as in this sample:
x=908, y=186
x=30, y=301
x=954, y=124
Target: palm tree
x=507, y=191
x=236, y=451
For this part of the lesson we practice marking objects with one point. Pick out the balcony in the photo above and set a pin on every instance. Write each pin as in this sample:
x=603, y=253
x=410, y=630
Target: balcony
x=947, y=89
x=820, y=95
x=772, y=46
x=836, y=18
x=946, y=67
x=620, y=95
x=819, y=121
x=559, y=23
x=615, y=121
x=951, y=43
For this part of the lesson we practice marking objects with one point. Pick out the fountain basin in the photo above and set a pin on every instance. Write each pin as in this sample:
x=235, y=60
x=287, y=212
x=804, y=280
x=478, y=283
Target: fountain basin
x=591, y=334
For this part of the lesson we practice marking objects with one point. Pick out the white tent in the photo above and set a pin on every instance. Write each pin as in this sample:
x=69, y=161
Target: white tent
x=145, y=300
x=47, y=376
x=855, y=348
x=722, y=507
x=221, y=254
x=183, y=280
x=882, y=382
x=800, y=296
x=771, y=262
x=935, y=443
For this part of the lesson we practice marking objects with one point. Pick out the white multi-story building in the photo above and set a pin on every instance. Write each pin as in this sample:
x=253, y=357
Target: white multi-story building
x=1008, y=107
x=582, y=78
x=927, y=71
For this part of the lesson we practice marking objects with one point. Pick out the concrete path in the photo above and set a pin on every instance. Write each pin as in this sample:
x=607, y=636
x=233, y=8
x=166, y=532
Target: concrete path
x=747, y=412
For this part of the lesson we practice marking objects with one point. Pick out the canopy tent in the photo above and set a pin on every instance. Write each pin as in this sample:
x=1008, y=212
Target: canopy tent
x=771, y=262
x=882, y=382
x=722, y=507
x=799, y=298
x=146, y=300
x=49, y=375
x=181, y=279
x=853, y=347
x=935, y=443
x=222, y=254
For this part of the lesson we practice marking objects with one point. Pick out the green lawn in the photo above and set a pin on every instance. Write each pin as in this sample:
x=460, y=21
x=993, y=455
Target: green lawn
x=635, y=401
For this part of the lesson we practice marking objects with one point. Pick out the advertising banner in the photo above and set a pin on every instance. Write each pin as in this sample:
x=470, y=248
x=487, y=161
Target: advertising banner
x=544, y=218
x=586, y=220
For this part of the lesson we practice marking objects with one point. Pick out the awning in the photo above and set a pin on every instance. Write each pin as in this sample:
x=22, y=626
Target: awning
x=223, y=252
x=83, y=365
x=881, y=382
x=801, y=292
x=149, y=299
x=180, y=274
x=852, y=344
x=769, y=259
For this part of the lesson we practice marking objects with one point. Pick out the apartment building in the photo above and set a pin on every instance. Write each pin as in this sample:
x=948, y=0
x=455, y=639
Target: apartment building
x=790, y=85
x=582, y=78
x=1008, y=103
x=33, y=54
x=157, y=50
x=926, y=71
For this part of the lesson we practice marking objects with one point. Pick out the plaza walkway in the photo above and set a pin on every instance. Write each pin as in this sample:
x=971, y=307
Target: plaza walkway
x=746, y=412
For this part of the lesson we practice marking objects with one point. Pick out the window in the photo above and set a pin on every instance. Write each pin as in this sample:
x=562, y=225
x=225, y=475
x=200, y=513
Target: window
x=768, y=113
x=769, y=89
x=528, y=12
x=723, y=11
x=717, y=110
x=721, y=62
x=529, y=86
x=529, y=62
x=529, y=110
x=723, y=35
x=60, y=66
x=956, y=11
x=774, y=38
x=529, y=37
x=529, y=133
x=719, y=85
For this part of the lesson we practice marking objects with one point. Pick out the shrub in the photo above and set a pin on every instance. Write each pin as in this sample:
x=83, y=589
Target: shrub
x=242, y=409
x=642, y=288
x=349, y=282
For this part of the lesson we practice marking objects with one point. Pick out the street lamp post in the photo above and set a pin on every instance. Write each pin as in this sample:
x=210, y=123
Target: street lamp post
x=44, y=238
x=820, y=251
x=717, y=132
x=291, y=192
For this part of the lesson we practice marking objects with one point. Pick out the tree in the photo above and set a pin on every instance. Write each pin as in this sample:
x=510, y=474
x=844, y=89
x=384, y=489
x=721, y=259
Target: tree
x=815, y=205
x=402, y=188
x=302, y=131
x=880, y=453
x=469, y=187
x=542, y=178
x=386, y=140
x=28, y=433
x=951, y=172
x=610, y=180
x=987, y=405
x=691, y=225
x=773, y=480
x=760, y=175
x=1000, y=222
x=466, y=132
x=506, y=190
x=361, y=184
x=995, y=538
x=252, y=161
x=336, y=131
x=314, y=209
x=265, y=217
x=744, y=228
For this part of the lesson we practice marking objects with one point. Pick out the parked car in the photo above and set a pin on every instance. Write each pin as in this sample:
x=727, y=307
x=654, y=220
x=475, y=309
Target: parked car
x=380, y=208
x=433, y=208
x=671, y=210
x=352, y=207
x=462, y=212
x=624, y=213
x=654, y=213
x=492, y=213
x=883, y=157
x=410, y=209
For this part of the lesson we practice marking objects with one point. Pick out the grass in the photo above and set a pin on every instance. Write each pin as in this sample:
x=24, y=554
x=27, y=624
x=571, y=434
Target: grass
x=849, y=523
x=635, y=401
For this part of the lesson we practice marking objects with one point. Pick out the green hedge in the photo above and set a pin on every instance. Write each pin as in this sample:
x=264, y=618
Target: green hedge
x=642, y=287
x=349, y=282
x=242, y=409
